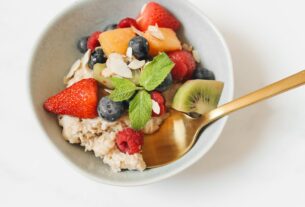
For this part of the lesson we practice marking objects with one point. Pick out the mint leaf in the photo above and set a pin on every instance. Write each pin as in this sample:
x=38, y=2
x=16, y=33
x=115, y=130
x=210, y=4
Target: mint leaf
x=140, y=109
x=156, y=71
x=124, y=89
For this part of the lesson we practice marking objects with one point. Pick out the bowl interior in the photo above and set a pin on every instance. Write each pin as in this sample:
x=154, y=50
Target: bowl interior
x=56, y=52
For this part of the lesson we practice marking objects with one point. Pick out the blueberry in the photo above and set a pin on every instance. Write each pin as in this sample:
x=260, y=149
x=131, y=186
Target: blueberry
x=110, y=110
x=202, y=73
x=139, y=47
x=98, y=56
x=82, y=44
x=110, y=27
x=165, y=84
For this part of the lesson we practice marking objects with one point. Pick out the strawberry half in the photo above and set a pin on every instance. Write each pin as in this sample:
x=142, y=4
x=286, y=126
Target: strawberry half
x=153, y=13
x=79, y=100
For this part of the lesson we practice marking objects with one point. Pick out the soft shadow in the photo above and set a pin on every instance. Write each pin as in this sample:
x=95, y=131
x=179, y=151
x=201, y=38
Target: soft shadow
x=242, y=132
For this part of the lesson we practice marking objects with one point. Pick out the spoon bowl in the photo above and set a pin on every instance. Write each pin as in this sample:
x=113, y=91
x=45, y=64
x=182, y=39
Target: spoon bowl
x=179, y=132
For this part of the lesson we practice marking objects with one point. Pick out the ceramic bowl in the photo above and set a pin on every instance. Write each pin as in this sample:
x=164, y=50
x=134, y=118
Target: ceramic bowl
x=56, y=51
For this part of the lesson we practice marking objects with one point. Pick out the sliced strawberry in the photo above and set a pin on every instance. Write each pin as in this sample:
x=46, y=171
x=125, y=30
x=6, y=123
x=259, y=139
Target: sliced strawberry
x=79, y=100
x=93, y=41
x=185, y=65
x=128, y=22
x=157, y=97
x=153, y=13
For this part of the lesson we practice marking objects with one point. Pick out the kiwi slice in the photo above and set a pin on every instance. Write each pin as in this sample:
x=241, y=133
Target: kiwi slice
x=97, y=75
x=200, y=96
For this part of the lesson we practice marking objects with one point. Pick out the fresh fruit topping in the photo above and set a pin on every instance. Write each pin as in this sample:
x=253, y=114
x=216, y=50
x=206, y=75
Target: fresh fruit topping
x=202, y=73
x=110, y=27
x=200, y=96
x=136, y=89
x=140, y=47
x=159, y=99
x=98, y=56
x=165, y=84
x=116, y=41
x=153, y=13
x=155, y=72
x=93, y=41
x=129, y=141
x=82, y=44
x=79, y=100
x=117, y=65
x=168, y=44
x=184, y=65
x=100, y=76
x=128, y=22
x=110, y=110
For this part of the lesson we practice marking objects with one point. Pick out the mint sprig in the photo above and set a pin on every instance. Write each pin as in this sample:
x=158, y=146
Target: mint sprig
x=140, y=107
x=156, y=71
x=124, y=89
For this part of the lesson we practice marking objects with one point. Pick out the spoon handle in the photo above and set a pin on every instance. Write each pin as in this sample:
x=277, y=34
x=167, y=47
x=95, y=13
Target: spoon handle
x=259, y=95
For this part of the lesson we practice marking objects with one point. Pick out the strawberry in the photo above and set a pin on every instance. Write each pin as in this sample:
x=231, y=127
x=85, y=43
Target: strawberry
x=153, y=13
x=93, y=41
x=79, y=100
x=157, y=96
x=185, y=65
x=128, y=22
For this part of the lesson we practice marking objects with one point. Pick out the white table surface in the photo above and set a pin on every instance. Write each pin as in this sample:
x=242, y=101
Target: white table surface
x=258, y=161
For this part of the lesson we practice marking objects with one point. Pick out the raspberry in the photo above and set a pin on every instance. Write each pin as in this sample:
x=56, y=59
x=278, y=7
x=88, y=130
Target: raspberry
x=185, y=65
x=129, y=141
x=128, y=22
x=93, y=41
x=156, y=96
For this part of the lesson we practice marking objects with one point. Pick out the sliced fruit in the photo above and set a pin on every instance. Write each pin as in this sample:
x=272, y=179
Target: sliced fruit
x=98, y=75
x=79, y=100
x=168, y=44
x=153, y=13
x=116, y=41
x=200, y=96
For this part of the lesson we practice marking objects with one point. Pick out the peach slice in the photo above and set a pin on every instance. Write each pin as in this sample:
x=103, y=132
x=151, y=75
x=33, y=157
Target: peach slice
x=116, y=41
x=168, y=43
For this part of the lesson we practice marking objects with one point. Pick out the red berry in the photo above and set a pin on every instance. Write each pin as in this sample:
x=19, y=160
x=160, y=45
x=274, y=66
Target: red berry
x=129, y=141
x=185, y=65
x=153, y=13
x=128, y=22
x=156, y=96
x=93, y=41
x=79, y=100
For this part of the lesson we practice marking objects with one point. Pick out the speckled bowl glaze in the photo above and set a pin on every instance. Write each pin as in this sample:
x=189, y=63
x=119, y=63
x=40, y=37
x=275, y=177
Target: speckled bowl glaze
x=56, y=51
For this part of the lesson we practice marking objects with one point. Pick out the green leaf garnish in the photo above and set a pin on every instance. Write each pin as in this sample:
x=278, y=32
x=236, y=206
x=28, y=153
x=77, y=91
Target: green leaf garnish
x=124, y=89
x=140, y=109
x=156, y=71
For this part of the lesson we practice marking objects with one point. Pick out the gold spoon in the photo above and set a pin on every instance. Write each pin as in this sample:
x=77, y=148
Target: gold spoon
x=180, y=132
